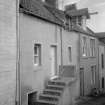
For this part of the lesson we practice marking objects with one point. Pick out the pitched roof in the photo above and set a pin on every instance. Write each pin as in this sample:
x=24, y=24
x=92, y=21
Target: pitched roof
x=81, y=30
x=100, y=34
x=78, y=12
x=56, y=12
x=36, y=8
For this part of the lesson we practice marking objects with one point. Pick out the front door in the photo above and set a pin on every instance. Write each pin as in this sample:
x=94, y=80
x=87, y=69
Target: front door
x=53, y=61
x=81, y=81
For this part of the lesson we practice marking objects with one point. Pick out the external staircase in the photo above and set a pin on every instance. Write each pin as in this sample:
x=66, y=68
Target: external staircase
x=56, y=92
x=52, y=93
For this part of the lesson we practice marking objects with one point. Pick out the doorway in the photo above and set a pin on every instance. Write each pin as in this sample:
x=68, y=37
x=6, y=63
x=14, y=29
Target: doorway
x=81, y=81
x=53, y=61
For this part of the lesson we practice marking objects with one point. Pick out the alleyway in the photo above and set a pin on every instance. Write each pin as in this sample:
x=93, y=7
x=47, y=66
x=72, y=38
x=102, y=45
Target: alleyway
x=92, y=101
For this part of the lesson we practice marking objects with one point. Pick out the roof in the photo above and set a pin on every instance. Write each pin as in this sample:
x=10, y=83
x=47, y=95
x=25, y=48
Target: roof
x=81, y=30
x=56, y=12
x=78, y=12
x=100, y=34
x=36, y=8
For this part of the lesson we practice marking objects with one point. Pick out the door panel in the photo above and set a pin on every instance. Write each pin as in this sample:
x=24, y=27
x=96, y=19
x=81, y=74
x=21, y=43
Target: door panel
x=53, y=61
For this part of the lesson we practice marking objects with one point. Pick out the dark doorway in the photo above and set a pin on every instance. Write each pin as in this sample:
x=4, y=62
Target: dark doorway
x=102, y=82
x=81, y=81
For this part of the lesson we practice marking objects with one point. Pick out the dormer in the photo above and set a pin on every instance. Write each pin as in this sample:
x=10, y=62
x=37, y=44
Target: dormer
x=78, y=16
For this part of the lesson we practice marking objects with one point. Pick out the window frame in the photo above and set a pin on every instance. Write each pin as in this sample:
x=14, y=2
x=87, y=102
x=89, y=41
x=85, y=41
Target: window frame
x=84, y=47
x=93, y=71
x=37, y=55
x=92, y=47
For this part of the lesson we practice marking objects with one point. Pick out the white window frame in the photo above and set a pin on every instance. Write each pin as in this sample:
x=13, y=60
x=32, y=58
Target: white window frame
x=37, y=54
x=92, y=47
x=84, y=47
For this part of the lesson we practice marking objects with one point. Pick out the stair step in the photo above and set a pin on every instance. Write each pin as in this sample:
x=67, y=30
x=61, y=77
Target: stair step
x=45, y=102
x=52, y=92
x=49, y=97
x=54, y=82
x=55, y=87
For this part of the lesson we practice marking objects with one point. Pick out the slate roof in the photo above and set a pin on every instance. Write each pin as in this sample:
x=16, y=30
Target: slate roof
x=78, y=12
x=81, y=30
x=36, y=8
x=100, y=34
x=57, y=13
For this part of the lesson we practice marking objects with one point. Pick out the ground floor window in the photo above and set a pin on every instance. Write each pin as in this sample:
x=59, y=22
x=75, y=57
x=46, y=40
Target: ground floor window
x=93, y=72
x=37, y=54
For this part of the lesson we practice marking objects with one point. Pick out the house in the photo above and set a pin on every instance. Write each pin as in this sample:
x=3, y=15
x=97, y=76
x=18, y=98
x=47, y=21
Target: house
x=44, y=47
x=51, y=54
x=88, y=50
x=101, y=59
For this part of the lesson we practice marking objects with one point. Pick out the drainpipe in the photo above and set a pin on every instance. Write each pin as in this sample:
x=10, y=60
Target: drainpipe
x=18, y=93
x=61, y=50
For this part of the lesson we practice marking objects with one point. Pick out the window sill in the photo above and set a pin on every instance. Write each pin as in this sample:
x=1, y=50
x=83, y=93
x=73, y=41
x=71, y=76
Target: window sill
x=37, y=68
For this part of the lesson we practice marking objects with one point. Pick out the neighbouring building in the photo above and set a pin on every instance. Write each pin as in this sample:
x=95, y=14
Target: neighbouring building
x=101, y=59
x=7, y=52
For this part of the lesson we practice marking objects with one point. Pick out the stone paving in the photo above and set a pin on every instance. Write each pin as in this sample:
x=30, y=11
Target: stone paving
x=91, y=101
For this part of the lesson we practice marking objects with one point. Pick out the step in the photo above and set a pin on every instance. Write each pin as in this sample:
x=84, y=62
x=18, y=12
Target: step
x=55, y=87
x=49, y=97
x=55, y=82
x=52, y=92
x=44, y=102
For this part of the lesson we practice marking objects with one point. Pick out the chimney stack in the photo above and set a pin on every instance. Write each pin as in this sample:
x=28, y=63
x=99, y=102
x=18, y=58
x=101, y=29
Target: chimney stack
x=70, y=7
x=52, y=3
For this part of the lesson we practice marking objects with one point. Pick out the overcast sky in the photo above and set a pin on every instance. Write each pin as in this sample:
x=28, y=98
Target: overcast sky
x=97, y=22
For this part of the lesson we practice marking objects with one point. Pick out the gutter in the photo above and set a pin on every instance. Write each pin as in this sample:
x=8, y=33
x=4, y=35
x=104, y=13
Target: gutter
x=18, y=92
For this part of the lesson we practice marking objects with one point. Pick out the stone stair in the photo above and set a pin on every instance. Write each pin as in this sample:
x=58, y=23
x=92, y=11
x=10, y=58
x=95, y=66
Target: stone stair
x=52, y=93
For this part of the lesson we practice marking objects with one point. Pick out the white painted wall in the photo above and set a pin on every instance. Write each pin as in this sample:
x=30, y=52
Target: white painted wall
x=7, y=52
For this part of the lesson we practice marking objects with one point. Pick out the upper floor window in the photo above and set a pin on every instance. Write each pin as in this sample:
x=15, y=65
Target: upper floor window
x=74, y=20
x=79, y=20
x=92, y=47
x=37, y=54
x=102, y=61
x=69, y=54
x=84, y=46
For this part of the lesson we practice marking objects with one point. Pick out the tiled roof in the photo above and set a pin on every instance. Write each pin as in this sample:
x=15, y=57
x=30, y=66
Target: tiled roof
x=100, y=34
x=36, y=8
x=79, y=12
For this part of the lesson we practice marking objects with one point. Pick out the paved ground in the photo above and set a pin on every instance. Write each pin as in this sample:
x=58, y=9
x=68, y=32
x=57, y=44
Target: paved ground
x=91, y=101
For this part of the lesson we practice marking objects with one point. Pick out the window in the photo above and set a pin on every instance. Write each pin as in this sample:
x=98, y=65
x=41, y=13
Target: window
x=102, y=61
x=84, y=46
x=92, y=47
x=73, y=20
x=79, y=20
x=37, y=54
x=69, y=54
x=93, y=71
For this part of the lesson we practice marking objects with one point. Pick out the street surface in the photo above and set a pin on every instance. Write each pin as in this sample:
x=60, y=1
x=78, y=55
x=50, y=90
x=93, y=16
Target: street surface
x=92, y=101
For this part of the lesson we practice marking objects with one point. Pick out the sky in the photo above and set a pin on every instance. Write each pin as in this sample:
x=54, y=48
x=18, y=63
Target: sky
x=96, y=22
